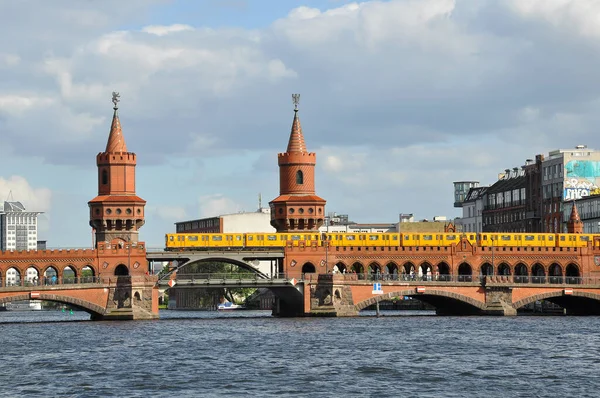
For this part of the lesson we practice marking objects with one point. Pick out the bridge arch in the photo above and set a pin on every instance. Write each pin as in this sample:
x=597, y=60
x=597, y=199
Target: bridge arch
x=409, y=268
x=443, y=268
x=470, y=303
x=374, y=268
x=521, y=273
x=93, y=309
x=487, y=269
x=13, y=276
x=358, y=268
x=555, y=274
x=121, y=270
x=69, y=273
x=538, y=273
x=341, y=267
x=50, y=274
x=465, y=272
x=572, y=271
x=391, y=270
x=579, y=302
x=504, y=269
x=308, y=268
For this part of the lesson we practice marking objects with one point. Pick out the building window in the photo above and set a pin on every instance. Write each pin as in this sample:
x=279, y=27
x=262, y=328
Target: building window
x=299, y=177
x=104, y=177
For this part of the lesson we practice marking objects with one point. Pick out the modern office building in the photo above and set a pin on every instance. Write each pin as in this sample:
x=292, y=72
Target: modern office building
x=18, y=227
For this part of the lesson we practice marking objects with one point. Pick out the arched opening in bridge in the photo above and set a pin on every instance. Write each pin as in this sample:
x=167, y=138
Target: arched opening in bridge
x=69, y=275
x=341, y=267
x=391, y=271
x=32, y=276
x=308, y=268
x=338, y=295
x=503, y=269
x=87, y=274
x=521, y=273
x=121, y=270
x=408, y=271
x=443, y=271
x=1, y=280
x=357, y=268
x=538, y=275
x=13, y=277
x=487, y=269
x=465, y=273
x=136, y=296
x=50, y=276
x=555, y=273
x=572, y=274
x=426, y=271
x=374, y=271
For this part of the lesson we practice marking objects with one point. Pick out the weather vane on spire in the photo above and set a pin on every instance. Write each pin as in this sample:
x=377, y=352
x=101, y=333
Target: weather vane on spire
x=115, y=99
x=296, y=100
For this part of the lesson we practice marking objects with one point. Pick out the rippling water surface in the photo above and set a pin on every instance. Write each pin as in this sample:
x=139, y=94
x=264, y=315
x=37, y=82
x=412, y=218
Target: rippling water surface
x=190, y=354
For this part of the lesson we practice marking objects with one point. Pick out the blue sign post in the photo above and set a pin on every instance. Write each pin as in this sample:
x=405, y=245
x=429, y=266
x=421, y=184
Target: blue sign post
x=377, y=288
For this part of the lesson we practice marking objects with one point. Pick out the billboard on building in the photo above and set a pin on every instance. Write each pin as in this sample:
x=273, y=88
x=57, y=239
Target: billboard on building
x=581, y=179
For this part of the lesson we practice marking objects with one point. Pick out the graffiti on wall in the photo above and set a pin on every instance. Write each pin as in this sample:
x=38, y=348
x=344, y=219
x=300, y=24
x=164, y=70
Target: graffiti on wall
x=581, y=178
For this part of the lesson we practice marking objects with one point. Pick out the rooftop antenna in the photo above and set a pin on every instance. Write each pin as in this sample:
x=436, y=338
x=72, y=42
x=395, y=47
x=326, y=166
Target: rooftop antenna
x=296, y=101
x=259, y=201
x=116, y=98
x=10, y=197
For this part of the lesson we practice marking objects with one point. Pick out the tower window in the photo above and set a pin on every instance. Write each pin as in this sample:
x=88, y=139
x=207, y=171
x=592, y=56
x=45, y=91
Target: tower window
x=104, y=177
x=299, y=177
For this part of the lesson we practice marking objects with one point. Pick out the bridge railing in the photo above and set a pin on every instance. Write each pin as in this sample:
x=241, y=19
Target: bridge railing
x=51, y=281
x=483, y=279
x=229, y=276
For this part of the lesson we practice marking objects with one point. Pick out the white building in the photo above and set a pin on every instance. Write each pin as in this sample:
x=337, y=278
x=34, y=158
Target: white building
x=258, y=221
x=472, y=208
x=18, y=227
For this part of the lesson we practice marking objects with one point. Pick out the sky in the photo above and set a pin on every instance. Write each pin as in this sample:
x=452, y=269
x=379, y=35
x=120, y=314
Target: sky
x=399, y=99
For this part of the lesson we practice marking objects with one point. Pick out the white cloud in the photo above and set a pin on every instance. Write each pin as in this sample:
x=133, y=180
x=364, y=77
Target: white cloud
x=17, y=187
x=168, y=213
x=18, y=104
x=9, y=60
x=217, y=204
x=162, y=30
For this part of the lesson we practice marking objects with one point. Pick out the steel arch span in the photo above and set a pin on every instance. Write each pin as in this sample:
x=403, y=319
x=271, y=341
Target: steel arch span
x=577, y=302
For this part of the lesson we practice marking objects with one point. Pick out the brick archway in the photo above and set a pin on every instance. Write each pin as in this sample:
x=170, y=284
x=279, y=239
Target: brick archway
x=91, y=308
x=556, y=293
x=430, y=292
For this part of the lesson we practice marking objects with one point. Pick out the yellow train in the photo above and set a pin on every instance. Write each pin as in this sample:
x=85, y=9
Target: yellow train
x=259, y=240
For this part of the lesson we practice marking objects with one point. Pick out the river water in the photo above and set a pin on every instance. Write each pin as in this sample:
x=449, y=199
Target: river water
x=248, y=353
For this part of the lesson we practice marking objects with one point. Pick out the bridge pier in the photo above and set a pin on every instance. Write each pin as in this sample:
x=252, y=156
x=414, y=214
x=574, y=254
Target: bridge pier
x=131, y=298
x=498, y=301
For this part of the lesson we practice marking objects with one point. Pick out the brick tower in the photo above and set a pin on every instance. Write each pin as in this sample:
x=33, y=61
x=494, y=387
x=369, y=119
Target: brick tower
x=297, y=208
x=117, y=212
x=574, y=225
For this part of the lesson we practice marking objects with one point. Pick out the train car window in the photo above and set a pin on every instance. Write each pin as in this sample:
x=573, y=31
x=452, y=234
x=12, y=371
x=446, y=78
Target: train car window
x=249, y=237
x=529, y=237
x=350, y=237
x=427, y=237
x=484, y=237
x=181, y=238
x=541, y=237
x=562, y=238
x=193, y=238
x=217, y=238
x=416, y=237
x=472, y=237
x=238, y=237
x=518, y=237
x=450, y=237
x=271, y=237
x=260, y=237
x=394, y=237
x=584, y=238
x=406, y=237
x=171, y=238
x=505, y=237
x=551, y=238
x=295, y=237
x=373, y=237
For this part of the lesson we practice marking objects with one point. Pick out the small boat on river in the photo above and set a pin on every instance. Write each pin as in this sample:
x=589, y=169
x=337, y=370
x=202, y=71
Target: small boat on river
x=228, y=305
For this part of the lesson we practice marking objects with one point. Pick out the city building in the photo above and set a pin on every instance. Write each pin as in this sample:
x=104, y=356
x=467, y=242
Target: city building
x=567, y=174
x=18, y=227
x=461, y=189
x=472, y=211
x=258, y=221
x=588, y=209
x=504, y=203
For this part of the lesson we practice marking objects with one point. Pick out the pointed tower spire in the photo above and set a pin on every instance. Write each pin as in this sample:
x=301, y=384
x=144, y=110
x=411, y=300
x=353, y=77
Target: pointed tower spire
x=297, y=208
x=117, y=213
x=296, y=142
x=116, y=142
x=575, y=225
